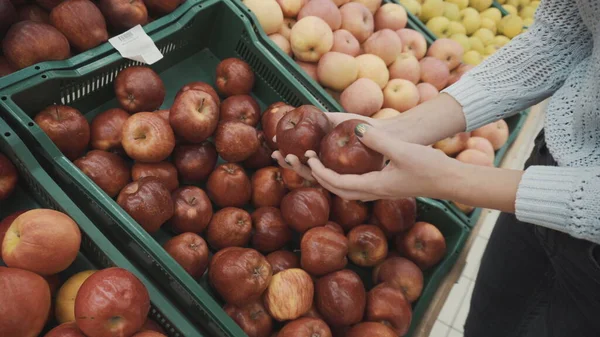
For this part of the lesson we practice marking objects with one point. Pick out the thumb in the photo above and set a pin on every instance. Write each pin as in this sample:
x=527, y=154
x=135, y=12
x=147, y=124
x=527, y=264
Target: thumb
x=377, y=139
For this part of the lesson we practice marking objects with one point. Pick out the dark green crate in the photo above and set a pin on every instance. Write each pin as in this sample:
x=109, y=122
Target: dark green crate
x=93, y=54
x=37, y=190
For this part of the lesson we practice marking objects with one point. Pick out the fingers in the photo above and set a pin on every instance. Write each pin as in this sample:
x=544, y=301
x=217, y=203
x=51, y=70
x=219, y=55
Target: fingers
x=292, y=162
x=378, y=140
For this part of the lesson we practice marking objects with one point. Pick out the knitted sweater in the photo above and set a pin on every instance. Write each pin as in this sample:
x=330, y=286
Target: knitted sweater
x=557, y=57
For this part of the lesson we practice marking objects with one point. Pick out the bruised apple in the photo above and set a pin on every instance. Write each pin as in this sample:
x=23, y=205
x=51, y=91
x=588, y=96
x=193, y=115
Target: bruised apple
x=342, y=152
x=81, y=22
x=164, y=170
x=236, y=141
x=400, y=273
x=270, y=231
x=8, y=177
x=305, y=208
x=234, y=77
x=371, y=329
x=66, y=127
x=305, y=327
x=282, y=259
x=229, y=227
x=139, y=89
x=147, y=137
x=252, y=318
x=241, y=108
x=190, y=251
x=423, y=244
x=192, y=210
x=148, y=202
x=289, y=284
x=267, y=187
x=367, y=245
x=195, y=162
x=388, y=305
x=228, y=185
x=107, y=128
x=106, y=169
x=262, y=157
x=341, y=298
x=194, y=115
x=65, y=299
x=323, y=251
x=270, y=118
x=301, y=130
x=239, y=275
x=348, y=213
x=395, y=216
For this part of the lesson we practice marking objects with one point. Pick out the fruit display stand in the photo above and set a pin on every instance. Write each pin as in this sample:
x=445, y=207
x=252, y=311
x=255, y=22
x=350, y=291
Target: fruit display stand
x=93, y=54
x=36, y=189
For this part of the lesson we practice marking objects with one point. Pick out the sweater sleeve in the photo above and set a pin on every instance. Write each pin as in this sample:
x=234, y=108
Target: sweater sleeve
x=528, y=69
x=561, y=198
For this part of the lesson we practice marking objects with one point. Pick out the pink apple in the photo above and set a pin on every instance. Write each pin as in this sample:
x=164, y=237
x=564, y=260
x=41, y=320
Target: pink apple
x=435, y=72
x=407, y=67
x=386, y=113
x=385, y=44
x=309, y=68
x=390, y=16
x=345, y=42
x=481, y=144
x=426, y=92
x=447, y=50
x=453, y=145
x=337, y=70
x=290, y=8
x=413, y=42
x=286, y=27
x=282, y=43
x=363, y=97
x=457, y=73
x=325, y=9
x=400, y=95
x=358, y=20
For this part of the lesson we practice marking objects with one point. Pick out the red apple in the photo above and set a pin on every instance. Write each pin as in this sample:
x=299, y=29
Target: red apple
x=262, y=157
x=483, y=145
x=107, y=170
x=200, y=86
x=139, y=89
x=239, y=275
x=453, y=145
x=323, y=251
x=423, y=244
x=68, y=329
x=228, y=185
x=267, y=187
x=81, y=22
x=234, y=77
x=236, y=141
x=341, y=298
x=305, y=208
x=335, y=227
x=124, y=14
x=147, y=138
x=388, y=305
x=289, y=284
x=190, y=251
x=148, y=202
x=65, y=298
x=66, y=127
x=270, y=231
x=33, y=13
x=106, y=129
x=193, y=210
x=149, y=334
x=342, y=152
x=229, y=227
x=8, y=177
x=162, y=7
x=301, y=130
x=164, y=113
x=195, y=162
x=252, y=318
x=164, y=171
x=27, y=43
x=151, y=325
x=194, y=115
x=313, y=312
x=111, y=302
x=282, y=259
x=371, y=329
x=270, y=118
x=400, y=273
x=43, y=241
x=349, y=213
x=305, y=327
x=46, y=4
x=367, y=245
x=241, y=108
x=395, y=216
x=24, y=302
x=293, y=180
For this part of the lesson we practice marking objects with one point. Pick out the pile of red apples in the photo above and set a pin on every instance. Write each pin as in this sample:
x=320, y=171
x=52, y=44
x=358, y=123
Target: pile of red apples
x=37, y=246
x=276, y=248
x=361, y=52
x=50, y=30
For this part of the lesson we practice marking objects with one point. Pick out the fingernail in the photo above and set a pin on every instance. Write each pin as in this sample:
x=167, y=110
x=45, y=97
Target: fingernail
x=360, y=130
x=287, y=162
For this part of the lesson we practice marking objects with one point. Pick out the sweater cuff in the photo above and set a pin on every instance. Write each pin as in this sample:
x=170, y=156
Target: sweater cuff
x=544, y=196
x=479, y=108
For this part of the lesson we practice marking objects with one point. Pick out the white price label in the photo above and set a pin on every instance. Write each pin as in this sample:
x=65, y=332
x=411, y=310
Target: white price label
x=136, y=45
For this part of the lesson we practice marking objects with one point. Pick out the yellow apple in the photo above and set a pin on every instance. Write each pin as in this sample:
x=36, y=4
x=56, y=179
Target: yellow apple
x=430, y=9
x=527, y=12
x=476, y=44
x=518, y=4
x=534, y=4
x=413, y=6
x=462, y=4
x=492, y=13
x=480, y=5
x=511, y=26
x=488, y=23
x=470, y=18
x=472, y=57
x=439, y=26
x=456, y=28
x=511, y=9
x=463, y=40
x=500, y=41
x=65, y=298
x=490, y=50
x=502, y=2
x=451, y=11
x=268, y=13
x=527, y=22
x=485, y=35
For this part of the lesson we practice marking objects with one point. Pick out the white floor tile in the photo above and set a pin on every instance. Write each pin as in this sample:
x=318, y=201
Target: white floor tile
x=470, y=270
x=454, y=300
x=488, y=225
x=475, y=254
x=461, y=317
x=439, y=330
x=454, y=333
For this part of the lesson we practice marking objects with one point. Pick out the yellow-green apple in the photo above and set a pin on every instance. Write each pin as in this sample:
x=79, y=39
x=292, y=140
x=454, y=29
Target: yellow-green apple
x=386, y=113
x=286, y=27
x=268, y=13
x=324, y=9
x=390, y=16
x=309, y=68
x=510, y=26
x=43, y=241
x=386, y=44
x=473, y=57
x=456, y=28
x=363, y=97
x=453, y=145
x=372, y=67
x=345, y=42
x=485, y=35
x=413, y=42
x=65, y=298
x=291, y=8
x=481, y=144
x=439, y=26
x=358, y=20
x=400, y=95
x=337, y=70
x=311, y=38
x=492, y=13
x=8, y=178
x=490, y=50
x=470, y=18
x=496, y=133
x=481, y=5
x=476, y=45
x=24, y=302
x=448, y=51
x=435, y=72
x=457, y=73
x=282, y=43
x=426, y=92
x=527, y=12
x=372, y=5
x=462, y=4
x=500, y=41
x=451, y=11
x=413, y=6
x=431, y=9
x=512, y=10
x=475, y=157
x=406, y=67
x=488, y=23
x=463, y=40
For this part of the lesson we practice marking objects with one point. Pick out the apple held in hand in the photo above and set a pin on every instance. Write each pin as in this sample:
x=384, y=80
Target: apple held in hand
x=270, y=231
x=301, y=130
x=148, y=202
x=341, y=298
x=252, y=318
x=367, y=245
x=139, y=89
x=388, y=305
x=195, y=162
x=236, y=141
x=239, y=275
x=106, y=129
x=107, y=170
x=282, y=259
x=305, y=208
x=289, y=284
x=81, y=22
x=147, y=137
x=234, y=77
x=270, y=118
x=102, y=309
x=190, y=251
x=229, y=227
x=423, y=244
x=192, y=210
x=305, y=327
x=229, y=186
x=400, y=273
x=8, y=177
x=65, y=299
x=194, y=115
x=66, y=127
x=323, y=251
x=395, y=216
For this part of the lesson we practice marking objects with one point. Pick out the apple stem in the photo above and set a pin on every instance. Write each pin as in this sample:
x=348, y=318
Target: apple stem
x=56, y=111
x=201, y=105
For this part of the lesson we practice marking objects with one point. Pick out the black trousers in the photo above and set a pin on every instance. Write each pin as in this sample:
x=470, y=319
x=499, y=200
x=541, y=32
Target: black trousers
x=534, y=281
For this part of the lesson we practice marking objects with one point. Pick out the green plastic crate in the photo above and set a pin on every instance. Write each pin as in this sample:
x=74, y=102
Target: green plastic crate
x=93, y=54
x=496, y=4
x=37, y=190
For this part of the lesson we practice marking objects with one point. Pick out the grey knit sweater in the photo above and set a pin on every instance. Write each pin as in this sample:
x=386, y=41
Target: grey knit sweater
x=560, y=56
